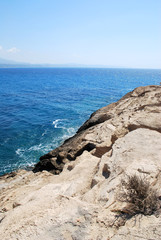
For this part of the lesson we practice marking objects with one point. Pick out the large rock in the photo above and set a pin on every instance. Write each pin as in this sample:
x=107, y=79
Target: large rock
x=82, y=202
x=137, y=109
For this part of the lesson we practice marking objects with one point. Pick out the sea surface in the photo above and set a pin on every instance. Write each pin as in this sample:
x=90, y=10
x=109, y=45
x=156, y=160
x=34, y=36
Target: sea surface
x=41, y=107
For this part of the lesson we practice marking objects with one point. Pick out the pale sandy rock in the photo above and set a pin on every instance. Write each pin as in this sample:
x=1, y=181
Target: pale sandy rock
x=82, y=203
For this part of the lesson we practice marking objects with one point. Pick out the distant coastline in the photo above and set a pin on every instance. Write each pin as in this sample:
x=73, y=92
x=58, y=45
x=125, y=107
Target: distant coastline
x=8, y=66
x=4, y=63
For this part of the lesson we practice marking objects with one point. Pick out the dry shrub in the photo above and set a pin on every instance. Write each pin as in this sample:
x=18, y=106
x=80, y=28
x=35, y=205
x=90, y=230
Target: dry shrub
x=139, y=196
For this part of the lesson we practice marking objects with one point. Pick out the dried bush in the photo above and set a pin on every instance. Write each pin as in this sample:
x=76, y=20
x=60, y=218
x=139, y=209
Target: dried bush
x=138, y=195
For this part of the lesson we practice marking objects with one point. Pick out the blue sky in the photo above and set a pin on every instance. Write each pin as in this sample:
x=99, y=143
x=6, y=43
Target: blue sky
x=115, y=33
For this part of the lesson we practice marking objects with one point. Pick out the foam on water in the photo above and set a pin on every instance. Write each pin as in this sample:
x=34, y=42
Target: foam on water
x=27, y=154
x=60, y=123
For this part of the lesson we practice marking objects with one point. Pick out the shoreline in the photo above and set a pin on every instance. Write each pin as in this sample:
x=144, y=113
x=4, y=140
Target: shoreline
x=79, y=197
x=54, y=160
x=29, y=110
x=83, y=127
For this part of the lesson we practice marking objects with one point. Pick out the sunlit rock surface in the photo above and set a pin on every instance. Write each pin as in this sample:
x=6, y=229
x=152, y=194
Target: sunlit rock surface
x=80, y=202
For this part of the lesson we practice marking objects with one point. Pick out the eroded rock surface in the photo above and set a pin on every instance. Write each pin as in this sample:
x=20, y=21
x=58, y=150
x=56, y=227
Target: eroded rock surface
x=81, y=202
x=137, y=109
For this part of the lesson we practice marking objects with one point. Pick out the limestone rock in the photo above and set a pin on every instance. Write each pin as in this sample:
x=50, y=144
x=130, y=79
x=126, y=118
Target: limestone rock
x=80, y=200
x=138, y=109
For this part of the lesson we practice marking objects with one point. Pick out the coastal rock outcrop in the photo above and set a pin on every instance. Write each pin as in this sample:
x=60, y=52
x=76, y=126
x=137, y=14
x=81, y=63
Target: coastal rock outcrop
x=137, y=109
x=80, y=201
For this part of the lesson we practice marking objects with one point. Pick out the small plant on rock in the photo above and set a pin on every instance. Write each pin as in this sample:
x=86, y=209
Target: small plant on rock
x=139, y=196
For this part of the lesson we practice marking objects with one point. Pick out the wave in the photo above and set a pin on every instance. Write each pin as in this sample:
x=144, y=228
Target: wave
x=57, y=123
x=19, y=151
x=48, y=146
x=16, y=166
x=29, y=156
x=26, y=155
x=64, y=124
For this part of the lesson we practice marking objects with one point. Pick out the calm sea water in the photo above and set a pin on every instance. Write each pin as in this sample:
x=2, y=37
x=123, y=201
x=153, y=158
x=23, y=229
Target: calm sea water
x=40, y=108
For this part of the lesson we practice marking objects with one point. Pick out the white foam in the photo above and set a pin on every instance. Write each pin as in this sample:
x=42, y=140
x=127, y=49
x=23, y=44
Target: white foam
x=46, y=147
x=55, y=123
x=26, y=155
x=35, y=148
x=20, y=151
x=58, y=121
x=71, y=130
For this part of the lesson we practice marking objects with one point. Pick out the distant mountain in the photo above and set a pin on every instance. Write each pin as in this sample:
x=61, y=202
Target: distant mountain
x=5, y=63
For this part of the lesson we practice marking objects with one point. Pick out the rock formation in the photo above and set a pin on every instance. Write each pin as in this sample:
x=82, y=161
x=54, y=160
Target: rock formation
x=80, y=200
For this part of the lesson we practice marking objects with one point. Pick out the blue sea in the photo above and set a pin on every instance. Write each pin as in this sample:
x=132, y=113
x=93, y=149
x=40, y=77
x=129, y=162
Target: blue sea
x=41, y=107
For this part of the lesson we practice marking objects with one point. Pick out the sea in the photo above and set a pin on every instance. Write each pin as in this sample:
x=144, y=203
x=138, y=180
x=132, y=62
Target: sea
x=41, y=107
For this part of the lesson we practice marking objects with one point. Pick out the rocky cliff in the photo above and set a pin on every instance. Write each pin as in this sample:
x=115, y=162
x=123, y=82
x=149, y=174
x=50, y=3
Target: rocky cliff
x=82, y=199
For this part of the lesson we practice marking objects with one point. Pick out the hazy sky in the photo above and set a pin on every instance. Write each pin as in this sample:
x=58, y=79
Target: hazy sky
x=118, y=33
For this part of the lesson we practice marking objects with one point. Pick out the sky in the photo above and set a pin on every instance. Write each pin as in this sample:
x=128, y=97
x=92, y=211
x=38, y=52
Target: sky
x=114, y=33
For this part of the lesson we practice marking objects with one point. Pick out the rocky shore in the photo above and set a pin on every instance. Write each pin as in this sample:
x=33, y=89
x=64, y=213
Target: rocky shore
x=74, y=191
